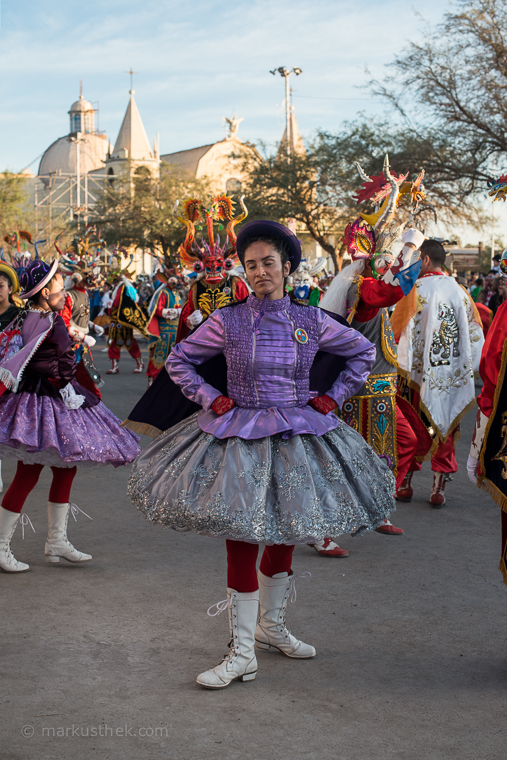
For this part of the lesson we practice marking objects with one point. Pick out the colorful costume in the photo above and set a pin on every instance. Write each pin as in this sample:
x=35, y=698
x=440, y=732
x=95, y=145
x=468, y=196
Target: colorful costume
x=164, y=313
x=438, y=353
x=126, y=313
x=214, y=289
x=271, y=469
x=303, y=287
x=489, y=444
x=373, y=411
x=271, y=393
x=47, y=418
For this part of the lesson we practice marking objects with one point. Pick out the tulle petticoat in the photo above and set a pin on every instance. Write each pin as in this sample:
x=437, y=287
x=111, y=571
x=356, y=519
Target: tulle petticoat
x=267, y=490
x=41, y=430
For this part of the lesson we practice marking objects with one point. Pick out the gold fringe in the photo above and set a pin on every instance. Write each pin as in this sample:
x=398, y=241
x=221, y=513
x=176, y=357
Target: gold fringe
x=503, y=570
x=498, y=497
x=359, y=282
x=439, y=438
x=141, y=427
x=387, y=351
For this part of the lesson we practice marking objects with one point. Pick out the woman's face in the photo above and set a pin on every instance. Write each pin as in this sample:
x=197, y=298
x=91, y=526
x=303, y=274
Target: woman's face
x=5, y=290
x=264, y=270
x=55, y=294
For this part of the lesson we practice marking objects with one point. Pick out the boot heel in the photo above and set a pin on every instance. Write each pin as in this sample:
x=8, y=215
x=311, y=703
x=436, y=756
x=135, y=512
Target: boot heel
x=262, y=645
x=248, y=676
x=52, y=559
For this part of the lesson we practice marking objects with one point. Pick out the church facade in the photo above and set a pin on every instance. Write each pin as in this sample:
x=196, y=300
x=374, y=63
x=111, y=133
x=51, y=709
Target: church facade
x=73, y=170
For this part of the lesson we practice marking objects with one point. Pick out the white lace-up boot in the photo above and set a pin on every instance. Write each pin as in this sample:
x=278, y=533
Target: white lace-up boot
x=58, y=545
x=240, y=663
x=271, y=631
x=8, y=523
x=139, y=366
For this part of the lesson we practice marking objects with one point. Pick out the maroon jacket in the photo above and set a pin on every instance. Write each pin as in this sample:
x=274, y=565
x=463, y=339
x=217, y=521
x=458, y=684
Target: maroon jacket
x=53, y=366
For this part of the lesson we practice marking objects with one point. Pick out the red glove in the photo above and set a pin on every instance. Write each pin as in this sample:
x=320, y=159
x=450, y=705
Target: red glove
x=323, y=404
x=222, y=404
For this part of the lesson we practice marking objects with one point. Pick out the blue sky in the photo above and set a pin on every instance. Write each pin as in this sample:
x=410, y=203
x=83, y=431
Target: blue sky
x=196, y=63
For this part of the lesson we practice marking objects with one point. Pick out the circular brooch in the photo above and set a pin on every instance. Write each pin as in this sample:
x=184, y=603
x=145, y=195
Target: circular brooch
x=301, y=336
x=227, y=291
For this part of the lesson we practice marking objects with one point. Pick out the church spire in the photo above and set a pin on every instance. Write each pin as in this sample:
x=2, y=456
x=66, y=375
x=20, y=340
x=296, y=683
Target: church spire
x=132, y=141
x=296, y=141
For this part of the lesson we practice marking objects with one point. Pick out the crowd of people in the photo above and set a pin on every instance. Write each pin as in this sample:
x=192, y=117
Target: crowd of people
x=287, y=406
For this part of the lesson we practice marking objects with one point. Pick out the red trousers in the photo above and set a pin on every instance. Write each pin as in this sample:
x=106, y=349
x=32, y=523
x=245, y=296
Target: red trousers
x=25, y=480
x=406, y=441
x=113, y=350
x=444, y=459
x=242, y=563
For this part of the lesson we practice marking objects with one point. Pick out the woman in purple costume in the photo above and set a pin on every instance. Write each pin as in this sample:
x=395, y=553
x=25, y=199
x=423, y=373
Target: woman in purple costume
x=268, y=463
x=46, y=418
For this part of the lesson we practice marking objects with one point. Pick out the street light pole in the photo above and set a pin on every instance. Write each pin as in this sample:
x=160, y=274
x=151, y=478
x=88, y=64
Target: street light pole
x=78, y=139
x=78, y=170
x=286, y=74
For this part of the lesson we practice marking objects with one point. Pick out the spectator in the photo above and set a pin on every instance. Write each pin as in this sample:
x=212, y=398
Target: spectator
x=485, y=313
x=499, y=293
x=476, y=288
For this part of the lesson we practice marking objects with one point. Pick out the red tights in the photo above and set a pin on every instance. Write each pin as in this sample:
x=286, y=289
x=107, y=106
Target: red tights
x=242, y=561
x=25, y=480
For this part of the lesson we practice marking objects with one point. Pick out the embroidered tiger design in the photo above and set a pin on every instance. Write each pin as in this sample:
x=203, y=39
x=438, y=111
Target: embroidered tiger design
x=445, y=338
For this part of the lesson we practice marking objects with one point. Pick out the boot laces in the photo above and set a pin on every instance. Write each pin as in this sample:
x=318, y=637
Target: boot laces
x=221, y=606
x=25, y=520
x=75, y=510
x=292, y=593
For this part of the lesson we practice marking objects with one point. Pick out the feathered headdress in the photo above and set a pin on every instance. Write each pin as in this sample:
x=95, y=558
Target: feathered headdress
x=375, y=233
x=19, y=256
x=218, y=214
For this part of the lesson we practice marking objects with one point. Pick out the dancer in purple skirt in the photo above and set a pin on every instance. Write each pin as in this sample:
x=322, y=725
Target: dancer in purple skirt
x=47, y=418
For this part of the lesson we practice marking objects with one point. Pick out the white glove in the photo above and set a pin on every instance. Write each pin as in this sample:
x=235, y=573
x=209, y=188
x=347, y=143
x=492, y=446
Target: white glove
x=171, y=313
x=76, y=334
x=71, y=399
x=89, y=341
x=480, y=428
x=406, y=257
x=472, y=469
x=97, y=329
x=194, y=319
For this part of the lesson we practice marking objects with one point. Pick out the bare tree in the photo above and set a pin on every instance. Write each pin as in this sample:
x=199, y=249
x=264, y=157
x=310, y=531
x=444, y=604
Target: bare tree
x=451, y=92
x=136, y=209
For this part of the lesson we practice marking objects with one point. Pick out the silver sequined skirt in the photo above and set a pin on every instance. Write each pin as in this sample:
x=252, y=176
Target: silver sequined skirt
x=267, y=491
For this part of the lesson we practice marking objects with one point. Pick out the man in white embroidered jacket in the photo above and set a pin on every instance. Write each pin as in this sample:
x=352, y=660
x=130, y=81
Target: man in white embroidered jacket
x=438, y=354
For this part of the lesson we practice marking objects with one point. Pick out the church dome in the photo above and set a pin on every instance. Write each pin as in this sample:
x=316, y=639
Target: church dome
x=61, y=156
x=81, y=105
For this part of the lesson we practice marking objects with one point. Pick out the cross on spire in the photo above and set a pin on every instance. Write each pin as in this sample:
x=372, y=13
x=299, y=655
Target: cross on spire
x=131, y=72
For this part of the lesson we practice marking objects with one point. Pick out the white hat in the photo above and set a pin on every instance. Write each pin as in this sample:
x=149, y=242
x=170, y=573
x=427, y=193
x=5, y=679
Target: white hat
x=413, y=236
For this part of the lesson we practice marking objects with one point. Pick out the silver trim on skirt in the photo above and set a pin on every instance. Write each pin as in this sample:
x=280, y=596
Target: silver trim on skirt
x=268, y=490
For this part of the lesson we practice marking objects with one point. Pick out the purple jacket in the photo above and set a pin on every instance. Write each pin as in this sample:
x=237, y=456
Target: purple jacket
x=268, y=369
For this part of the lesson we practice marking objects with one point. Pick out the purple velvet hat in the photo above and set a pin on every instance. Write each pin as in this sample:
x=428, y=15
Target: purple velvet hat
x=265, y=228
x=37, y=274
